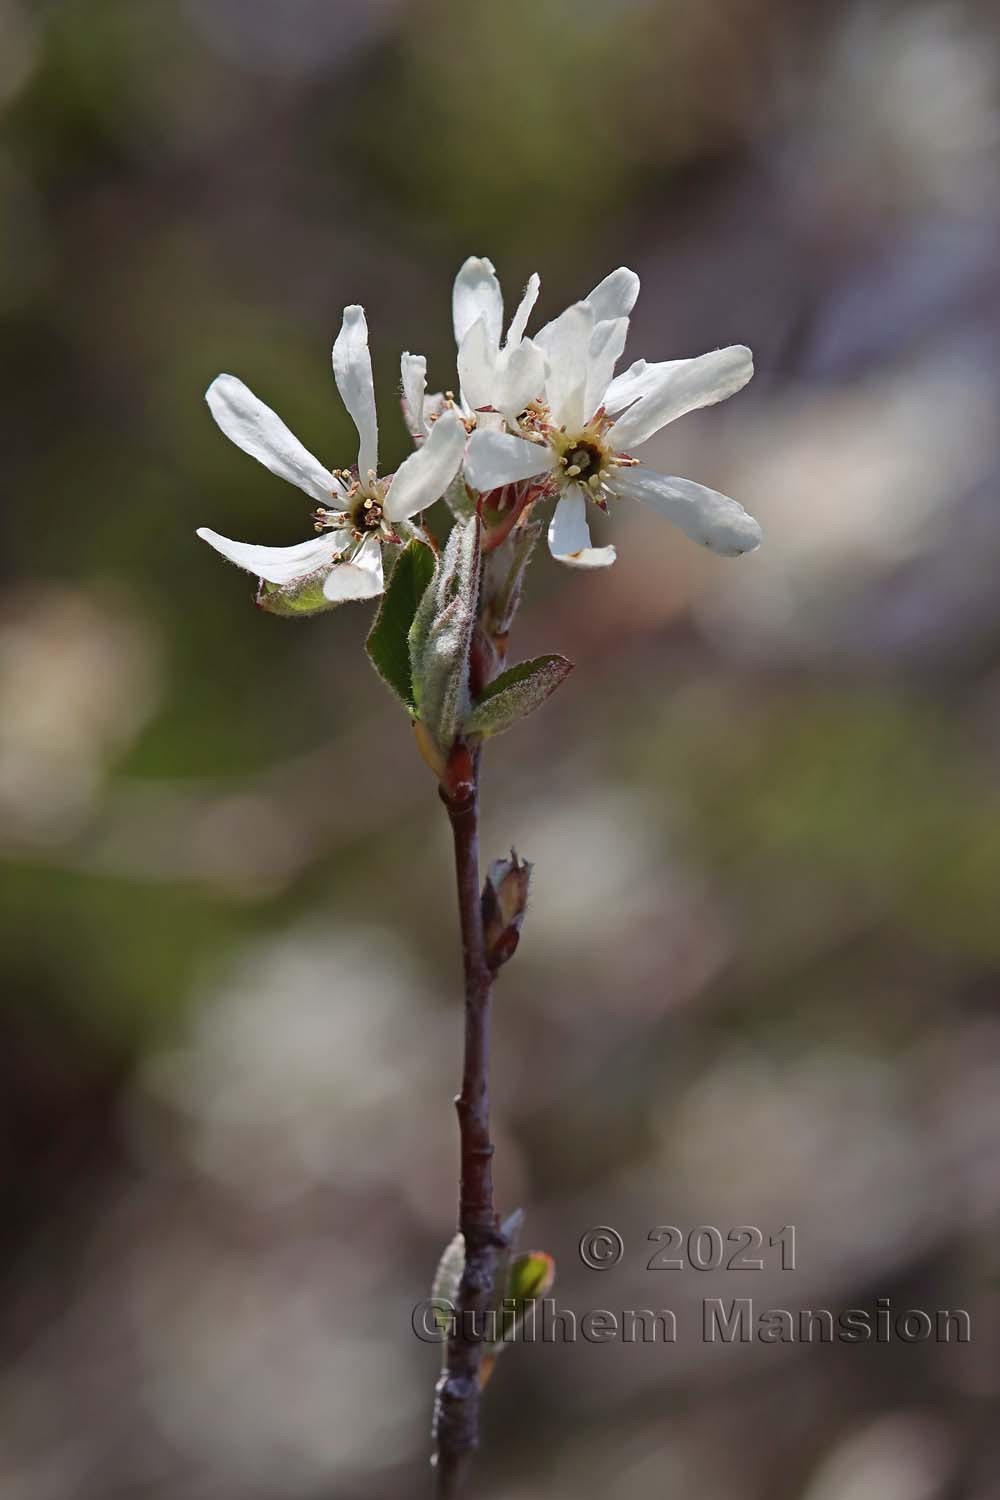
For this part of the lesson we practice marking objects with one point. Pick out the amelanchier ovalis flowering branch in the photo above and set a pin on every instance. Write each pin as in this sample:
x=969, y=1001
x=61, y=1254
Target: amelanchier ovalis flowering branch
x=542, y=428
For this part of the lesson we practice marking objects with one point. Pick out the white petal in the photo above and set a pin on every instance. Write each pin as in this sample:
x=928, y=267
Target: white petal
x=496, y=458
x=683, y=386
x=477, y=295
x=476, y=361
x=519, y=321
x=490, y=421
x=702, y=514
x=279, y=564
x=413, y=374
x=614, y=297
x=606, y=344
x=352, y=370
x=434, y=405
x=569, y=534
x=260, y=432
x=639, y=379
x=566, y=342
x=520, y=378
x=359, y=579
x=425, y=475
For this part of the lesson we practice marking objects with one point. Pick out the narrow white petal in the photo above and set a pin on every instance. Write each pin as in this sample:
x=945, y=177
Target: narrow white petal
x=683, y=386
x=496, y=458
x=519, y=321
x=279, y=564
x=566, y=342
x=704, y=515
x=477, y=356
x=606, y=345
x=642, y=379
x=359, y=579
x=569, y=534
x=352, y=370
x=520, y=378
x=615, y=296
x=260, y=432
x=477, y=295
x=426, y=474
x=413, y=374
x=434, y=405
x=612, y=298
x=639, y=379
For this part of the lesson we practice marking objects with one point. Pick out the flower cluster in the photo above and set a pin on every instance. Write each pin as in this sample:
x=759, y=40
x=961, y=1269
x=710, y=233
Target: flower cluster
x=537, y=419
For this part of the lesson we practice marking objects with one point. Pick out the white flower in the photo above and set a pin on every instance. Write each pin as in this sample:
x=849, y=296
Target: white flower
x=581, y=441
x=347, y=554
x=493, y=375
x=506, y=375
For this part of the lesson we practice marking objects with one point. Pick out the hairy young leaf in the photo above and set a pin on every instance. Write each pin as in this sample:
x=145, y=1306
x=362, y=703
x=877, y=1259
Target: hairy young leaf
x=444, y=1288
x=440, y=635
x=388, y=639
x=515, y=694
x=449, y=1272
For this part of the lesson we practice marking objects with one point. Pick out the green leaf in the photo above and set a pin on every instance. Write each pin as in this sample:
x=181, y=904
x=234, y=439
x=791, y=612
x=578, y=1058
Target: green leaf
x=295, y=600
x=529, y=1277
x=388, y=640
x=515, y=694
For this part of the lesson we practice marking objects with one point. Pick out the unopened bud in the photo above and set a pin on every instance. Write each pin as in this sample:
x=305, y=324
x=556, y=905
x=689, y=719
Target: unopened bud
x=458, y=783
x=505, y=900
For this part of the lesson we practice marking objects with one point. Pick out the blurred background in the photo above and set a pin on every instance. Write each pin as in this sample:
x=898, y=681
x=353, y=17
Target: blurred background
x=759, y=980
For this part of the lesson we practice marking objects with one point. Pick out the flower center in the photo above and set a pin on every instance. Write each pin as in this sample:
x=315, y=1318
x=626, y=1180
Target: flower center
x=584, y=459
x=366, y=513
x=362, y=508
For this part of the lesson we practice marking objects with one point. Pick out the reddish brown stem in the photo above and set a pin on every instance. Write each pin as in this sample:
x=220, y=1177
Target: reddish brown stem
x=457, y=1418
